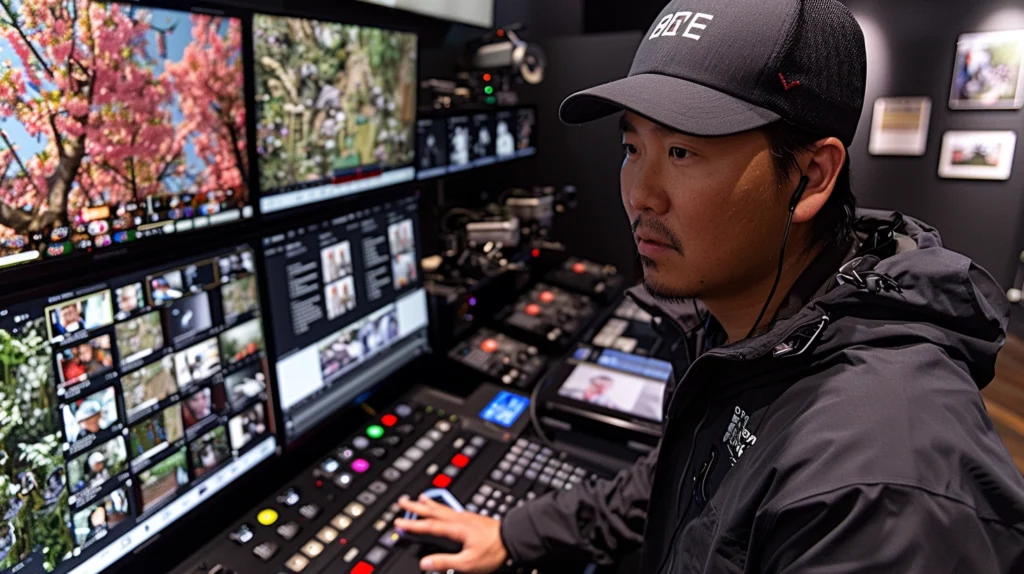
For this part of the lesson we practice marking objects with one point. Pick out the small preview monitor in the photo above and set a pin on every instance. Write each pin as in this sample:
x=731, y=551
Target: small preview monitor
x=482, y=150
x=461, y=141
x=505, y=132
x=131, y=418
x=431, y=148
x=620, y=382
x=335, y=109
x=135, y=129
x=473, y=12
x=349, y=309
x=526, y=132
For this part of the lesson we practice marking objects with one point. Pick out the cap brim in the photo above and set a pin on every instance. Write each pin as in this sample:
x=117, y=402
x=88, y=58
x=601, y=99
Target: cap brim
x=679, y=104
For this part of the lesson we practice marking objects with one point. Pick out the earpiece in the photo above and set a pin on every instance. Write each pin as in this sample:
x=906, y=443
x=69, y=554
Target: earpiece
x=800, y=189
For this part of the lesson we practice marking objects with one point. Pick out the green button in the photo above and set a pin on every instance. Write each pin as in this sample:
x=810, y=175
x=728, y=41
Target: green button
x=375, y=431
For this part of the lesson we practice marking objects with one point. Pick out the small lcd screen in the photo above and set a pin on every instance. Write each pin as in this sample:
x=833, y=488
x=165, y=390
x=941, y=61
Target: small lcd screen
x=614, y=390
x=505, y=409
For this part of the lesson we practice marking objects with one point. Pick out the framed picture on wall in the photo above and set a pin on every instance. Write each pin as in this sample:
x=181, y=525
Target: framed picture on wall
x=899, y=126
x=977, y=155
x=989, y=71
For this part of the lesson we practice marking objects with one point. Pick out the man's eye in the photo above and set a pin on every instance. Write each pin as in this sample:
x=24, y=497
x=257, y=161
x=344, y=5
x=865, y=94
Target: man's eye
x=678, y=152
x=628, y=149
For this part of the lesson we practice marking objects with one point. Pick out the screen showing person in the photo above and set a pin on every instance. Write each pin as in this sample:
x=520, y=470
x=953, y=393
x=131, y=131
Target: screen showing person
x=197, y=363
x=433, y=144
x=239, y=296
x=401, y=237
x=403, y=267
x=247, y=425
x=336, y=261
x=84, y=313
x=614, y=390
x=160, y=482
x=197, y=278
x=166, y=287
x=94, y=521
x=94, y=467
x=460, y=142
x=156, y=434
x=241, y=342
x=145, y=387
x=89, y=416
x=526, y=123
x=203, y=404
x=504, y=139
x=340, y=297
x=129, y=300
x=483, y=143
x=86, y=360
x=188, y=317
x=341, y=349
x=376, y=331
x=210, y=451
x=245, y=384
x=139, y=338
x=237, y=263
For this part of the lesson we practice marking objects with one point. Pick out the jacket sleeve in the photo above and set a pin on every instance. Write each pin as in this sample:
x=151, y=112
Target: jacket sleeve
x=884, y=528
x=599, y=520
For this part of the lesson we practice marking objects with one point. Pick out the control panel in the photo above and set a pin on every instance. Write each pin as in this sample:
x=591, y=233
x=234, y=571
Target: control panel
x=550, y=316
x=508, y=360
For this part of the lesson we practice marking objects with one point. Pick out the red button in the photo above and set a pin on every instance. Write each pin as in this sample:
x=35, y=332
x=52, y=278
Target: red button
x=460, y=460
x=547, y=296
x=489, y=346
x=362, y=568
x=388, y=420
x=533, y=309
x=579, y=268
x=442, y=481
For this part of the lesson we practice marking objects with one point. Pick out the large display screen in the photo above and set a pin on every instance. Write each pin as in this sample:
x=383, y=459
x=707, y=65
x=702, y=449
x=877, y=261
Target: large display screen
x=350, y=307
x=125, y=404
x=335, y=109
x=456, y=143
x=117, y=122
x=473, y=12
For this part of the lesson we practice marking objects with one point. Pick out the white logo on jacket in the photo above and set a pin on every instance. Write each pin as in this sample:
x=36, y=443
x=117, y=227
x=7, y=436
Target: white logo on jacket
x=737, y=438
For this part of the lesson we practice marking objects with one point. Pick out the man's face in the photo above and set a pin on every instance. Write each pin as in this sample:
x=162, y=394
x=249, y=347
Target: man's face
x=92, y=424
x=199, y=403
x=704, y=211
x=70, y=314
x=85, y=352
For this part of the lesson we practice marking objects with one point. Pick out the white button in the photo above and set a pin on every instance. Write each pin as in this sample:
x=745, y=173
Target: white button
x=341, y=522
x=355, y=510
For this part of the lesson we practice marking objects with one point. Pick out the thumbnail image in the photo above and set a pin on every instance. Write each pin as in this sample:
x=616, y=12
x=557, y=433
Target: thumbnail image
x=483, y=143
x=378, y=330
x=88, y=416
x=460, y=141
x=247, y=425
x=524, y=132
x=92, y=522
x=433, y=144
x=614, y=390
x=155, y=434
x=191, y=117
x=245, y=384
x=504, y=141
x=89, y=312
x=167, y=287
x=163, y=480
x=139, y=337
x=403, y=267
x=241, y=342
x=202, y=404
x=357, y=341
x=146, y=387
x=989, y=71
x=34, y=459
x=340, y=297
x=84, y=361
x=129, y=300
x=197, y=363
x=336, y=261
x=188, y=317
x=209, y=451
x=401, y=237
x=96, y=466
x=239, y=296
x=331, y=97
x=235, y=263
x=199, y=277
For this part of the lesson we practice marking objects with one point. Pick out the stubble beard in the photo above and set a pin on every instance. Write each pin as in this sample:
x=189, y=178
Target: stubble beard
x=658, y=291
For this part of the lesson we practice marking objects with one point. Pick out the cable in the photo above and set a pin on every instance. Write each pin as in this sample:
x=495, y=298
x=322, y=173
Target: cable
x=533, y=413
x=800, y=188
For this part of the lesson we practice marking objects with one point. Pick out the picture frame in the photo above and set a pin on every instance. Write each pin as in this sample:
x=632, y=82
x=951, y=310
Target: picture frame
x=899, y=126
x=985, y=155
x=988, y=72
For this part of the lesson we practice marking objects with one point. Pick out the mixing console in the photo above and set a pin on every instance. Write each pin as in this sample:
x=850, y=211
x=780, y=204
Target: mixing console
x=602, y=282
x=550, y=316
x=506, y=359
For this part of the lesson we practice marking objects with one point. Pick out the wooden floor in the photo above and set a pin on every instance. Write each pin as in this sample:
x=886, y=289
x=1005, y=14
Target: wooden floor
x=1004, y=398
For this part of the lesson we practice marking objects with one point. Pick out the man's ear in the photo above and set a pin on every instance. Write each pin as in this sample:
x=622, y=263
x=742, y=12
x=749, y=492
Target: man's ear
x=823, y=167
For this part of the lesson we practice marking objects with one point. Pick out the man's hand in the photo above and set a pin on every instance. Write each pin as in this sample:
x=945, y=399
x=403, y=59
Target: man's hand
x=482, y=550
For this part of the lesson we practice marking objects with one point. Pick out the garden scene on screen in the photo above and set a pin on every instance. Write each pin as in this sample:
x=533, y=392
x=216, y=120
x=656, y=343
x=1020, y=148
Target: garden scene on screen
x=114, y=118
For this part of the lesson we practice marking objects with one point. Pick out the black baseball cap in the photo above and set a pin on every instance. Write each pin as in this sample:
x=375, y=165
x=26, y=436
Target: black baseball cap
x=720, y=67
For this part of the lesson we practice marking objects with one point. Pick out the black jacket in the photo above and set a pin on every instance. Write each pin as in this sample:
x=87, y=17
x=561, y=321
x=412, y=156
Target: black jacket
x=851, y=437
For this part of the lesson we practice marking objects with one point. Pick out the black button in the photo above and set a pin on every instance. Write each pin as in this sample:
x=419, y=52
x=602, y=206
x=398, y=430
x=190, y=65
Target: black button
x=378, y=452
x=405, y=430
x=289, y=530
x=310, y=511
x=392, y=440
x=266, y=551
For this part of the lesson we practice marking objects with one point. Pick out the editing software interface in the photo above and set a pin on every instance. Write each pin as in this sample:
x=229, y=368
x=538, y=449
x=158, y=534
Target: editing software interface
x=456, y=143
x=128, y=402
x=134, y=130
x=349, y=305
x=335, y=109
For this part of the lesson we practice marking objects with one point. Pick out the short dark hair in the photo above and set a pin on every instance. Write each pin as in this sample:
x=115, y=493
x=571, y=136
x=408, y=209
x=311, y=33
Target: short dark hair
x=834, y=223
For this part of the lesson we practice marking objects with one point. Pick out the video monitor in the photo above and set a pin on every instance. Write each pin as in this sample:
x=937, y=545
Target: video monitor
x=483, y=128
x=526, y=132
x=461, y=141
x=342, y=327
x=114, y=409
x=431, y=148
x=335, y=109
x=473, y=12
x=135, y=129
x=616, y=390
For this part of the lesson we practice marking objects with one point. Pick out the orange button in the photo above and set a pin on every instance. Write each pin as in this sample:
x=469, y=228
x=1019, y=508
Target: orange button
x=579, y=268
x=442, y=481
x=460, y=460
x=489, y=345
x=533, y=309
x=547, y=296
x=388, y=420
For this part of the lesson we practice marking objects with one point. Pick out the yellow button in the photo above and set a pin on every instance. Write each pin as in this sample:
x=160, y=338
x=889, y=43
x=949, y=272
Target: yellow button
x=267, y=516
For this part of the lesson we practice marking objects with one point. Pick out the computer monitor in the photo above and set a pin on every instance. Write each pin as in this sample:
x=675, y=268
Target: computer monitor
x=349, y=308
x=335, y=109
x=474, y=12
x=127, y=401
x=132, y=130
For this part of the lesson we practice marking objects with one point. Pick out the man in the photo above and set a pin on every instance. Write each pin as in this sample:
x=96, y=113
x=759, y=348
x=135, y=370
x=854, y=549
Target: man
x=70, y=319
x=87, y=357
x=98, y=472
x=89, y=417
x=832, y=420
x=594, y=393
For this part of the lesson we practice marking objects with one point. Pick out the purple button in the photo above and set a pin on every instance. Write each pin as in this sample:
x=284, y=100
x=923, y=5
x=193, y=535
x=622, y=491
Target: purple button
x=359, y=465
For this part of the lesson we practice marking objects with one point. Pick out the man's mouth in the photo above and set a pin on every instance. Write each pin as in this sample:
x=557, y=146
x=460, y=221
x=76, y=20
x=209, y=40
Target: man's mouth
x=652, y=246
